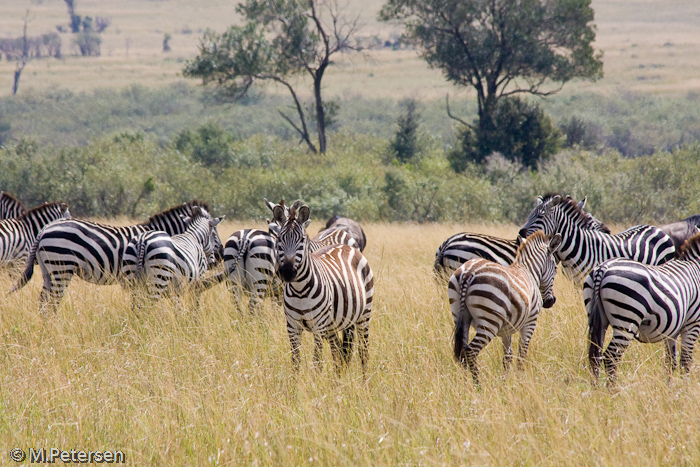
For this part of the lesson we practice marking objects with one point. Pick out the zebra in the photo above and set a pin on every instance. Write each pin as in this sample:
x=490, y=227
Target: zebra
x=249, y=259
x=462, y=247
x=10, y=207
x=583, y=249
x=349, y=226
x=501, y=300
x=325, y=292
x=682, y=230
x=18, y=235
x=165, y=263
x=648, y=303
x=91, y=250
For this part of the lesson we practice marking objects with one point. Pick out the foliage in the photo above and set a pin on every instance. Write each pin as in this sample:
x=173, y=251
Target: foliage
x=278, y=40
x=501, y=48
x=88, y=43
x=405, y=143
x=521, y=132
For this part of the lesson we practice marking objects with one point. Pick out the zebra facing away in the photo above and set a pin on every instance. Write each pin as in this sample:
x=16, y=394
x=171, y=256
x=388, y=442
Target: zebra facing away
x=582, y=249
x=647, y=303
x=168, y=264
x=90, y=250
x=500, y=300
x=326, y=291
x=349, y=226
x=10, y=207
x=17, y=235
x=462, y=247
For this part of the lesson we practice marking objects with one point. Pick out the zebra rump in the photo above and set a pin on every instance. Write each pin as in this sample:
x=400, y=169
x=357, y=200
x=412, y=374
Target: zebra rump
x=349, y=226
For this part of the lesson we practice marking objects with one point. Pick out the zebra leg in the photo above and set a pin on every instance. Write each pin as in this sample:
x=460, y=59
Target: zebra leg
x=525, y=336
x=481, y=339
x=336, y=351
x=348, y=344
x=670, y=357
x=689, y=337
x=507, y=352
x=54, y=287
x=294, y=334
x=619, y=343
x=318, y=352
x=363, y=344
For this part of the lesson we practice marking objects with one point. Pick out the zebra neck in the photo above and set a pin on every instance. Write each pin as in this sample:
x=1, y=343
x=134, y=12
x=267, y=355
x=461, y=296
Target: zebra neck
x=531, y=265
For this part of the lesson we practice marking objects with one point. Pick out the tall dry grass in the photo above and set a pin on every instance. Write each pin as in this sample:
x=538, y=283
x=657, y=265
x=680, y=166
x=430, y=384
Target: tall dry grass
x=177, y=385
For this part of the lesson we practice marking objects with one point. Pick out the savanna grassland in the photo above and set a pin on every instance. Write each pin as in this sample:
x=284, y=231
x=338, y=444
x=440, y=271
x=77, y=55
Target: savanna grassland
x=649, y=46
x=180, y=385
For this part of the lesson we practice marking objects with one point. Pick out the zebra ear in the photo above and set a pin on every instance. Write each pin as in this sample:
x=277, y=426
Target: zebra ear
x=186, y=219
x=270, y=206
x=278, y=215
x=303, y=216
x=519, y=240
x=582, y=203
x=539, y=201
x=556, y=200
x=555, y=243
x=214, y=222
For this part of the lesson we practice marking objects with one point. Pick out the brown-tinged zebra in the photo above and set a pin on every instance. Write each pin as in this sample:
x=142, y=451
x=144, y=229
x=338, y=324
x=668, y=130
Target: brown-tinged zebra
x=499, y=300
x=18, y=235
x=326, y=291
x=90, y=250
x=647, y=303
x=10, y=207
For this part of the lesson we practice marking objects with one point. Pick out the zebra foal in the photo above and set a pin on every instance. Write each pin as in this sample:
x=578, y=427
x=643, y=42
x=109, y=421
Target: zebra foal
x=648, y=303
x=325, y=292
x=18, y=235
x=167, y=264
x=500, y=300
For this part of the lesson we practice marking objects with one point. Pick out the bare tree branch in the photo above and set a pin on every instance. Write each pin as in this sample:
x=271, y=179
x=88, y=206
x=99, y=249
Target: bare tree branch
x=449, y=114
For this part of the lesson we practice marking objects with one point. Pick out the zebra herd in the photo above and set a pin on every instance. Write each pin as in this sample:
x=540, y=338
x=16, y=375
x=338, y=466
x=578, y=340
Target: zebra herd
x=637, y=282
x=643, y=282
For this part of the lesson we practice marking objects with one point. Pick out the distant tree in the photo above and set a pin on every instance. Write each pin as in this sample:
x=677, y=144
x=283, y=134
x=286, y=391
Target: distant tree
x=501, y=47
x=101, y=23
x=24, y=58
x=279, y=39
x=166, y=42
x=404, y=145
x=88, y=43
x=75, y=21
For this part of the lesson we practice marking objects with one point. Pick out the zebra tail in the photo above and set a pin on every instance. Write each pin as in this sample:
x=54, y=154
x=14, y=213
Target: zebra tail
x=596, y=331
x=220, y=277
x=140, y=272
x=29, y=269
x=460, y=286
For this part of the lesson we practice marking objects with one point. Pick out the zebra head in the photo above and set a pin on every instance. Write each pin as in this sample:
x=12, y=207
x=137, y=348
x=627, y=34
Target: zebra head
x=292, y=239
x=542, y=217
x=536, y=252
x=272, y=225
x=202, y=221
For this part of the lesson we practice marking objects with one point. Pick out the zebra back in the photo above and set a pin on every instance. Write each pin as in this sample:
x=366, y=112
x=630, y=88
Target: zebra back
x=10, y=207
x=349, y=226
x=172, y=220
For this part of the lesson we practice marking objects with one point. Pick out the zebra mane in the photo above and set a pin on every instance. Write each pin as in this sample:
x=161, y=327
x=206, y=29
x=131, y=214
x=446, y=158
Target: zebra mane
x=42, y=207
x=184, y=208
x=4, y=194
x=691, y=249
x=585, y=219
x=537, y=236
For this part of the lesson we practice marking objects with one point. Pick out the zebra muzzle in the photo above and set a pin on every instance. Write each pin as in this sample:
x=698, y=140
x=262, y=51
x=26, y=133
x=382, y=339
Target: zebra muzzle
x=548, y=302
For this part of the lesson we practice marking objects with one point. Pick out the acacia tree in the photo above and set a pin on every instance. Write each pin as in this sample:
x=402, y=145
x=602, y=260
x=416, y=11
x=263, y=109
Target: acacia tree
x=280, y=39
x=24, y=58
x=501, y=47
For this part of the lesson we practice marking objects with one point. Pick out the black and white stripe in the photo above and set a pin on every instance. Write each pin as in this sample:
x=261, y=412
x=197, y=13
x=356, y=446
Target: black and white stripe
x=647, y=303
x=10, y=207
x=326, y=291
x=350, y=226
x=18, y=235
x=169, y=264
x=91, y=250
x=499, y=300
x=583, y=249
x=462, y=247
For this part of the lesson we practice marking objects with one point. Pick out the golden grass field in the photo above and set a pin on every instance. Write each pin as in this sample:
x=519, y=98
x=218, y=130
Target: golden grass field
x=213, y=386
x=649, y=46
